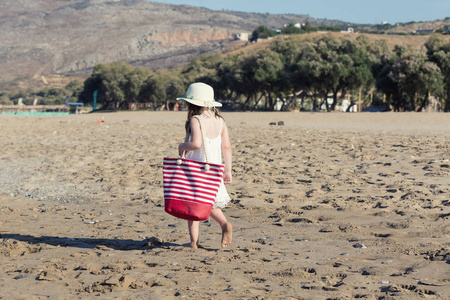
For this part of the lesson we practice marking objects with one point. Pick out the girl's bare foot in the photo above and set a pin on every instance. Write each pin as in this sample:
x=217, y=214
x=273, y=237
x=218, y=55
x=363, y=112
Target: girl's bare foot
x=194, y=245
x=227, y=231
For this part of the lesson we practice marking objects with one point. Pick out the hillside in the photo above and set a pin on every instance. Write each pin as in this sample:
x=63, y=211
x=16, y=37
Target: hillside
x=72, y=36
x=415, y=27
x=44, y=38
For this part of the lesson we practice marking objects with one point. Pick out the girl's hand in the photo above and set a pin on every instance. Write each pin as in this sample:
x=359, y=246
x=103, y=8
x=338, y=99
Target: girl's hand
x=180, y=151
x=227, y=178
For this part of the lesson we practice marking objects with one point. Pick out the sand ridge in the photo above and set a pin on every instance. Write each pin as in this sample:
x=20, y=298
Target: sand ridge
x=325, y=206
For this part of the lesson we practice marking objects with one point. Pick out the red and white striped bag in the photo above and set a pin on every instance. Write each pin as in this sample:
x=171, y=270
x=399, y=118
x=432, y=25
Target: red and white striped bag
x=190, y=187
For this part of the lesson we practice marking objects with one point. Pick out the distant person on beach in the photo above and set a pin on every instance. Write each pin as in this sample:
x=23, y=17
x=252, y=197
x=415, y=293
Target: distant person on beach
x=200, y=101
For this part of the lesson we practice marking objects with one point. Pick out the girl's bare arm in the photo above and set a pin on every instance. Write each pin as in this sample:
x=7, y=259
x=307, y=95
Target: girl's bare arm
x=227, y=157
x=196, y=142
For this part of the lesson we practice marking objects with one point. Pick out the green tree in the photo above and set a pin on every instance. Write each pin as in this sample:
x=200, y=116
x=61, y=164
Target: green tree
x=438, y=51
x=204, y=65
x=291, y=80
x=430, y=81
x=118, y=84
x=311, y=72
x=4, y=99
x=262, y=32
x=333, y=65
x=407, y=77
x=261, y=71
x=385, y=83
x=91, y=84
x=360, y=68
x=288, y=48
x=74, y=88
x=161, y=88
x=133, y=83
x=27, y=97
x=113, y=80
x=50, y=96
x=328, y=67
x=229, y=85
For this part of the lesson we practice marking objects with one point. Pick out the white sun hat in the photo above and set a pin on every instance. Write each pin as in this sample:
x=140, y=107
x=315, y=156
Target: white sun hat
x=200, y=94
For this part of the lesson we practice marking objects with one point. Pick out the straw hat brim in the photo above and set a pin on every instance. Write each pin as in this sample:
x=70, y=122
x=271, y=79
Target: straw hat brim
x=201, y=103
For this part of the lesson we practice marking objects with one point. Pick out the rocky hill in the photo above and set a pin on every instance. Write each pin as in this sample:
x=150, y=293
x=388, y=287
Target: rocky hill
x=72, y=36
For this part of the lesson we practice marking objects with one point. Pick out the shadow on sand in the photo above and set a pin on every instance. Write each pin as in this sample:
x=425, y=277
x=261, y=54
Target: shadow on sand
x=92, y=243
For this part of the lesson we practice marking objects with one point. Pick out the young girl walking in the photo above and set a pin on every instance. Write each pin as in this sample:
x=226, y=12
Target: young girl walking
x=200, y=100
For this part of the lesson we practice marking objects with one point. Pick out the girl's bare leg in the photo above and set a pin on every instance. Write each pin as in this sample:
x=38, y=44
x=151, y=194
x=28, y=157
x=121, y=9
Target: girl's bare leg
x=227, y=229
x=193, y=233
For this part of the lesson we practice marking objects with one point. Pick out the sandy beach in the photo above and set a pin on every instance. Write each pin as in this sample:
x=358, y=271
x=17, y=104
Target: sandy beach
x=326, y=206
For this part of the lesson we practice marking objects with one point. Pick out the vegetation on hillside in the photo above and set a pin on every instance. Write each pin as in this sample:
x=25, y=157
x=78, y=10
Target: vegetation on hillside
x=262, y=32
x=45, y=96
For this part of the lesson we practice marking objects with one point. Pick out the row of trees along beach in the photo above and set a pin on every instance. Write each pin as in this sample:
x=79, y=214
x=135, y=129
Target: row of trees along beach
x=288, y=73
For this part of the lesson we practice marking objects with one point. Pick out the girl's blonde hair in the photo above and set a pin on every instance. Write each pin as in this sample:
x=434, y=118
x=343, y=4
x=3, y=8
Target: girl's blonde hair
x=194, y=110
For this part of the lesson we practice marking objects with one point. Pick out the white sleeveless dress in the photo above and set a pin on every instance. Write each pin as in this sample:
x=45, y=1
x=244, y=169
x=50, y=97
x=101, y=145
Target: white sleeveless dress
x=214, y=147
